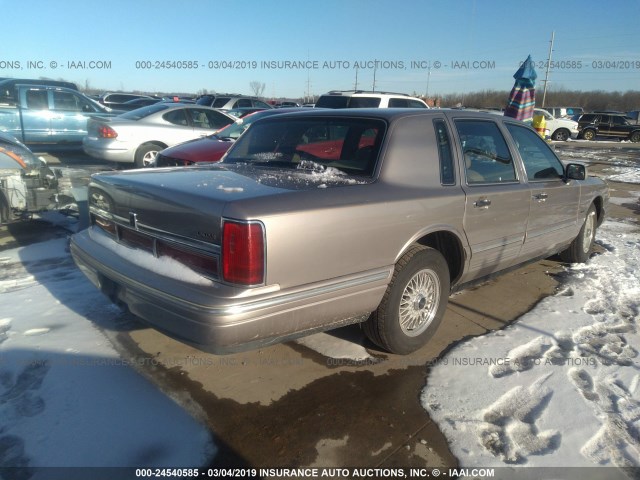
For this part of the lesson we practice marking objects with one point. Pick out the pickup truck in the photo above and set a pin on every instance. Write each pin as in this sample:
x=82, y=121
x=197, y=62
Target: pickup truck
x=314, y=220
x=42, y=114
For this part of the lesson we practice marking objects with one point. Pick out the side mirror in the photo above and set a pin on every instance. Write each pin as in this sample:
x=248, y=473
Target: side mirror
x=575, y=171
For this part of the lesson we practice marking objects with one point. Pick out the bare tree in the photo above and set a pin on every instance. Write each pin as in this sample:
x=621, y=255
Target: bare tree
x=257, y=87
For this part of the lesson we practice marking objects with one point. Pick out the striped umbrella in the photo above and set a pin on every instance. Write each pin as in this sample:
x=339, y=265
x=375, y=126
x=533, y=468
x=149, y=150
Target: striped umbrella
x=523, y=94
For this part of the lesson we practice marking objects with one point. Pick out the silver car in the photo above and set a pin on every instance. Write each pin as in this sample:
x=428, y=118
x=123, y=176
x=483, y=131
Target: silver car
x=318, y=219
x=136, y=137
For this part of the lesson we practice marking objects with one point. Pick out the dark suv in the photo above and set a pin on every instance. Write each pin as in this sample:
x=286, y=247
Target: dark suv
x=231, y=101
x=591, y=125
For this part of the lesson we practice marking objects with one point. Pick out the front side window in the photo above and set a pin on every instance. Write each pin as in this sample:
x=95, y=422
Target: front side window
x=486, y=156
x=346, y=146
x=37, y=99
x=539, y=161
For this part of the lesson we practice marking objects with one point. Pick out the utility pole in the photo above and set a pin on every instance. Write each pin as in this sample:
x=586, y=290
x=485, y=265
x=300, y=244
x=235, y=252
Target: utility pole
x=428, y=79
x=546, y=77
x=355, y=87
x=375, y=67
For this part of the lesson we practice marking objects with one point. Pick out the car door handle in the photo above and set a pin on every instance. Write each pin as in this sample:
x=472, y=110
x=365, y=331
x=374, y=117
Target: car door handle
x=541, y=197
x=482, y=203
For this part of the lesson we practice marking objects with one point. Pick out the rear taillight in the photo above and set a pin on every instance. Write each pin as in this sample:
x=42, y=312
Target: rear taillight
x=243, y=253
x=105, y=131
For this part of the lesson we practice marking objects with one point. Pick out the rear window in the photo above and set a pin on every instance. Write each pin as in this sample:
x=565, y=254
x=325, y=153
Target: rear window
x=145, y=111
x=205, y=100
x=339, y=145
x=221, y=102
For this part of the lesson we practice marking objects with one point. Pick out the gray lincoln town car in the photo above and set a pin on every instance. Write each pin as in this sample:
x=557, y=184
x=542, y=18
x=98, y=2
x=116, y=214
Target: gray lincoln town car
x=319, y=219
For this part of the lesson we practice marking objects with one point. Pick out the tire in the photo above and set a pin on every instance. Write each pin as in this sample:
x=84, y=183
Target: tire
x=146, y=155
x=413, y=305
x=635, y=137
x=580, y=248
x=5, y=213
x=561, y=135
x=589, y=135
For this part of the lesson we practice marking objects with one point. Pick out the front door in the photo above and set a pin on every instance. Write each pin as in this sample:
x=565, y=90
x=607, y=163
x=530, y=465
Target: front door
x=554, y=203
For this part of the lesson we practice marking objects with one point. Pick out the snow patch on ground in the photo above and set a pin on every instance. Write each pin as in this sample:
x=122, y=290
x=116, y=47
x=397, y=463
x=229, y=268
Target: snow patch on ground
x=66, y=397
x=560, y=387
x=334, y=347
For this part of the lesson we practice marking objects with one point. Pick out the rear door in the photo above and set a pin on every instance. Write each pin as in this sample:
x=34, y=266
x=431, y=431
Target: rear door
x=69, y=115
x=553, y=219
x=497, y=201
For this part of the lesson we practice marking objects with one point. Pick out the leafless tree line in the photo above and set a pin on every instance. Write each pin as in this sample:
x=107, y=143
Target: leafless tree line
x=589, y=100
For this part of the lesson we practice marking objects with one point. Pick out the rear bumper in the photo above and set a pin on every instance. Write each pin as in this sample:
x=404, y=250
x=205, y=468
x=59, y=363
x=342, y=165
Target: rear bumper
x=222, y=319
x=110, y=151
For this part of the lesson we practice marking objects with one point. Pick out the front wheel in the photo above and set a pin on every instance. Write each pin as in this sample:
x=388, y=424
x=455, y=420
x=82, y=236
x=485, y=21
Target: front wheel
x=414, y=303
x=578, y=251
x=588, y=135
x=561, y=135
x=635, y=137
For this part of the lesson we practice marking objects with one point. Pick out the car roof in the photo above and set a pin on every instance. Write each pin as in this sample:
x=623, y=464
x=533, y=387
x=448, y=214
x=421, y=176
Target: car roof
x=388, y=114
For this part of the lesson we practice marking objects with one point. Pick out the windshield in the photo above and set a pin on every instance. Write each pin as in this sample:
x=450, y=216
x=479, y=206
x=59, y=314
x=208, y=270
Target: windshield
x=319, y=144
x=139, y=113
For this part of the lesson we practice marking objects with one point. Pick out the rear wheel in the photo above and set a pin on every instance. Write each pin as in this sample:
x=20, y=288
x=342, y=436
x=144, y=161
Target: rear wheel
x=578, y=251
x=561, y=135
x=635, y=137
x=146, y=155
x=414, y=303
x=589, y=134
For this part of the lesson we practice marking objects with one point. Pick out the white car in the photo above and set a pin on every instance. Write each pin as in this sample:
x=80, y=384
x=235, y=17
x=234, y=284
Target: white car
x=560, y=129
x=137, y=136
x=367, y=99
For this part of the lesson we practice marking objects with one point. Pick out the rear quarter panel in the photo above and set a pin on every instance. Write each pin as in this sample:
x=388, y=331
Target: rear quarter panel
x=326, y=233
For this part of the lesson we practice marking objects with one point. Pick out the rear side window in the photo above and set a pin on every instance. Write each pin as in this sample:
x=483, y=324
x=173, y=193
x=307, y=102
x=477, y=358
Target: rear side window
x=447, y=174
x=398, y=103
x=416, y=104
x=539, y=161
x=486, y=155
x=66, y=101
x=364, y=102
x=177, y=117
x=343, y=146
